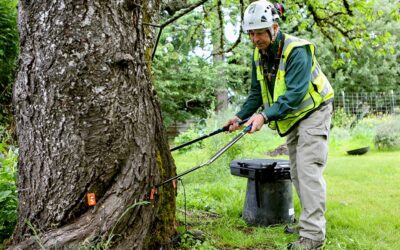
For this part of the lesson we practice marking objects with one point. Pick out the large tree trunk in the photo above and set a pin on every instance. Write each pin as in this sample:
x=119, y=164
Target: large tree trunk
x=88, y=121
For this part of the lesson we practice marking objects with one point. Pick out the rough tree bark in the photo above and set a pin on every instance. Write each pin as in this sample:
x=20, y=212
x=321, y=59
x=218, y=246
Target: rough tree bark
x=88, y=120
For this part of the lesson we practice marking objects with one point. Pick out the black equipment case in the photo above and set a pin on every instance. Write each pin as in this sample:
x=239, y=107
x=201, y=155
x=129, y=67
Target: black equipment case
x=269, y=191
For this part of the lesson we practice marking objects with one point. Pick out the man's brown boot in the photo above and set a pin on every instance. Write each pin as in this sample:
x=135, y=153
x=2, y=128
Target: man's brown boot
x=306, y=244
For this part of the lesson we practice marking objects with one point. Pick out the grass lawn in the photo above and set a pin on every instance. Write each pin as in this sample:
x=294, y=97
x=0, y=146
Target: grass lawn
x=363, y=204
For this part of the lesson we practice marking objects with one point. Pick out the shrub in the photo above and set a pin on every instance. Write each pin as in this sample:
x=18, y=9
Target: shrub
x=341, y=119
x=187, y=136
x=388, y=135
x=8, y=55
x=8, y=190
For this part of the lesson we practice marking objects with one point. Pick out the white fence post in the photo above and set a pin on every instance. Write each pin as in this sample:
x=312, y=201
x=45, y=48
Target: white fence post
x=393, y=102
x=343, y=101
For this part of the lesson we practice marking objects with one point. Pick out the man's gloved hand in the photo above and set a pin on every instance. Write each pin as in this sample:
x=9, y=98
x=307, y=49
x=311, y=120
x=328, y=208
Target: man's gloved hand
x=233, y=124
x=257, y=120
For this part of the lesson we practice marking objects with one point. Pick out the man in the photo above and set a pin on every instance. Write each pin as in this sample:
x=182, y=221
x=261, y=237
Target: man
x=287, y=80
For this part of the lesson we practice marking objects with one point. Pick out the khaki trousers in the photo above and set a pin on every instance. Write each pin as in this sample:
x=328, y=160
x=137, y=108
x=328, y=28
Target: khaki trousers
x=308, y=151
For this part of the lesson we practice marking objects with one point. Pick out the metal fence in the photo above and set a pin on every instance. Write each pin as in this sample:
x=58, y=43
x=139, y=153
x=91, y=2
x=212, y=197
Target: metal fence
x=368, y=102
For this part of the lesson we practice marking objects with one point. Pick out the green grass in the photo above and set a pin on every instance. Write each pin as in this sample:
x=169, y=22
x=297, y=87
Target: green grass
x=363, y=201
x=363, y=194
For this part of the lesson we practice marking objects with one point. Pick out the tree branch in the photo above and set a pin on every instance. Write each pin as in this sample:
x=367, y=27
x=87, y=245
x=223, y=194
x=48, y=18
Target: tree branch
x=347, y=6
x=187, y=10
x=321, y=22
x=169, y=21
x=221, y=25
x=238, y=40
x=198, y=26
x=174, y=6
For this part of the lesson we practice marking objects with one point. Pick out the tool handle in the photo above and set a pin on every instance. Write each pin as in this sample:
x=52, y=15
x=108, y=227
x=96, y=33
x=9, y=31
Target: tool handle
x=226, y=128
x=248, y=128
x=191, y=142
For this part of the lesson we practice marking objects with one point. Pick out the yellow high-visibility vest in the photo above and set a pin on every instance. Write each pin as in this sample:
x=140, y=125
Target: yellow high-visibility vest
x=319, y=89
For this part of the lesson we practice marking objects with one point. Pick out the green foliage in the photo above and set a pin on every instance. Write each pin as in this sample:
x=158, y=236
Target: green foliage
x=355, y=52
x=388, y=135
x=185, y=85
x=187, y=136
x=8, y=55
x=189, y=242
x=342, y=119
x=187, y=75
x=8, y=190
x=363, y=134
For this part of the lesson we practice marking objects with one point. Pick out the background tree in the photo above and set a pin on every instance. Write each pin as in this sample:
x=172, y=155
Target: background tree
x=356, y=41
x=87, y=121
x=194, y=63
x=374, y=66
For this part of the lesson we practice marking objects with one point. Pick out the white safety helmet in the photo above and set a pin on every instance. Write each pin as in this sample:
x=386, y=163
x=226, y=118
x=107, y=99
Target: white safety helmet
x=259, y=15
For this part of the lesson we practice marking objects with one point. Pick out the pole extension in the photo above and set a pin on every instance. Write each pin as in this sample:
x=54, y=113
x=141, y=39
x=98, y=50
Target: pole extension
x=224, y=129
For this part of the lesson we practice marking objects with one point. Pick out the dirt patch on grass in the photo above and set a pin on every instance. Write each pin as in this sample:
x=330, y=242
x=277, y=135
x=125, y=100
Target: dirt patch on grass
x=281, y=150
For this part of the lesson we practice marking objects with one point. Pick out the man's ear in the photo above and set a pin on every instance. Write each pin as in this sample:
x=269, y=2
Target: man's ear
x=275, y=27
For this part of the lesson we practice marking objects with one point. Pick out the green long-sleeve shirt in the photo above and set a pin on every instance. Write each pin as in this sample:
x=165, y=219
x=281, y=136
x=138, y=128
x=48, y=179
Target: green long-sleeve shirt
x=297, y=78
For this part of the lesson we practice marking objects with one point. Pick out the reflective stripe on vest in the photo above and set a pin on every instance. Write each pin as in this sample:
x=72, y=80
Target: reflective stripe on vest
x=319, y=89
